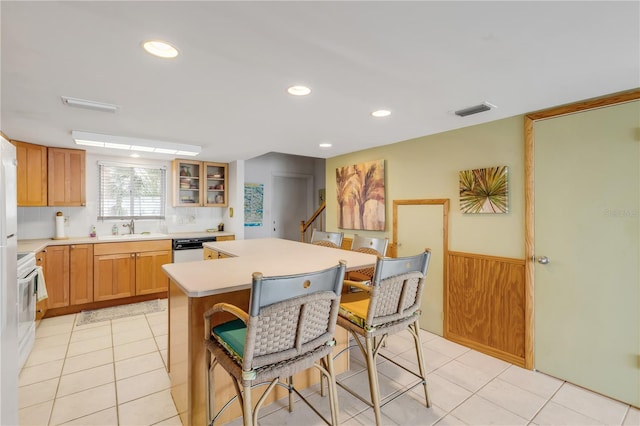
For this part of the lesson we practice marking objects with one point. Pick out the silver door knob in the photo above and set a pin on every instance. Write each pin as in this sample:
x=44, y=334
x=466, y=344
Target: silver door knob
x=543, y=260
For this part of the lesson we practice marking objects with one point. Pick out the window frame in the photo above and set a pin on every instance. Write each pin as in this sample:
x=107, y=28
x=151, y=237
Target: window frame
x=132, y=201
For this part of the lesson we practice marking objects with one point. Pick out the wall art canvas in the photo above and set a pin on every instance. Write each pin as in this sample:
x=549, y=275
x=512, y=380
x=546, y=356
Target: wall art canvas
x=253, y=204
x=360, y=190
x=484, y=190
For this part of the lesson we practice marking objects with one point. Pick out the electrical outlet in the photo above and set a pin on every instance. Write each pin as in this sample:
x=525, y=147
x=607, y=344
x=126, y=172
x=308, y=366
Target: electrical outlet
x=66, y=221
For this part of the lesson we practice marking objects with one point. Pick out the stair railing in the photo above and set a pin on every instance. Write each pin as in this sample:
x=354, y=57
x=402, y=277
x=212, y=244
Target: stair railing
x=314, y=222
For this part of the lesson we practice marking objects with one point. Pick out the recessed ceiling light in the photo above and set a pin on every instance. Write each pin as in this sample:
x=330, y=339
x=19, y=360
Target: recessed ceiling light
x=160, y=48
x=381, y=113
x=325, y=145
x=134, y=155
x=299, y=90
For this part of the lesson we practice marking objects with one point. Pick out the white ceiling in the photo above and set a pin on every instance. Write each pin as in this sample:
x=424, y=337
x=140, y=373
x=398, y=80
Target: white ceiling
x=226, y=91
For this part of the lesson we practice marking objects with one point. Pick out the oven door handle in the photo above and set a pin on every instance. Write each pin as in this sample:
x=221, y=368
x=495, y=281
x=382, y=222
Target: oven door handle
x=28, y=277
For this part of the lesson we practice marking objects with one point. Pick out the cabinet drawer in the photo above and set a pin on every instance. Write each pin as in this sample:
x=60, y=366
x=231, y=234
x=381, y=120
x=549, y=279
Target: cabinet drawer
x=131, y=247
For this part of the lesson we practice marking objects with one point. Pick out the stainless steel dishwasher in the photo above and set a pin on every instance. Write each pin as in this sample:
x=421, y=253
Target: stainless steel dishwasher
x=189, y=249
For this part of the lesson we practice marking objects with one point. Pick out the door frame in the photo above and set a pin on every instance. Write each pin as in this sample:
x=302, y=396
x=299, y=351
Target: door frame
x=393, y=247
x=290, y=175
x=529, y=208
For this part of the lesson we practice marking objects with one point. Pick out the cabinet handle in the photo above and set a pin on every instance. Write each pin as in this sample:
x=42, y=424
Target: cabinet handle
x=133, y=255
x=73, y=246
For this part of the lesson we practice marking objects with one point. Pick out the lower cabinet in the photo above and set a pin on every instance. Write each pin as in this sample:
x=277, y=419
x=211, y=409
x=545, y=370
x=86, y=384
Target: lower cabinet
x=68, y=272
x=42, y=305
x=130, y=269
x=209, y=254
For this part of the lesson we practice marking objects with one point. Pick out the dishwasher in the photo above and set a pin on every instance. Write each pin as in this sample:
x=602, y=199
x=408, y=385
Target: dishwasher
x=189, y=249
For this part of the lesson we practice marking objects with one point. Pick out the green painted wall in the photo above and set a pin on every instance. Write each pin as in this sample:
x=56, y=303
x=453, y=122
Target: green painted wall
x=427, y=167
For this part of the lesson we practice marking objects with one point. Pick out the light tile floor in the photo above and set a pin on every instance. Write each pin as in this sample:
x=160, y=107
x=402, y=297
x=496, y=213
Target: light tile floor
x=113, y=373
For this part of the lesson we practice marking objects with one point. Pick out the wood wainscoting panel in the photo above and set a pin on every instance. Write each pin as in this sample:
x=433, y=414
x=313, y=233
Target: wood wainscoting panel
x=485, y=305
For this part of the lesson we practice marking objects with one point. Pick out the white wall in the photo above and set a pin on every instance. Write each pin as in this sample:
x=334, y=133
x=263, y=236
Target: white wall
x=261, y=169
x=38, y=222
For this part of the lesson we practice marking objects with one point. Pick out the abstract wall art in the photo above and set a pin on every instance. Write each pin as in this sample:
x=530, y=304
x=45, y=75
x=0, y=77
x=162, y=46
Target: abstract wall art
x=360, y=191
x=484, y=190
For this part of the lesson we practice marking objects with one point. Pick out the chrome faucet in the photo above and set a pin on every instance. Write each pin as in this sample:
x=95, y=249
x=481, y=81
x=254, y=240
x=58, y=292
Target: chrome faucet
x=131, y=225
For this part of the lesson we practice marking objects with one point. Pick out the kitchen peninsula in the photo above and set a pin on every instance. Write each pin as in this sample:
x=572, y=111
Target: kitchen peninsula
x=196, y=286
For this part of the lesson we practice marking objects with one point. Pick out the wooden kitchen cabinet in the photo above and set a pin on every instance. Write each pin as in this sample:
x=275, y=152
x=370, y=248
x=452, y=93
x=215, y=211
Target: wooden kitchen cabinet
x=150, y=277
x=56, y=275
x=68, y=272
x=209, y=254
x=198, y=183
x=215, y=190
x=42, y=305
x=66, y=177
x=130, y=268
x=114, y=276
x=31, y=174
x=187, y=183
x=81, y=274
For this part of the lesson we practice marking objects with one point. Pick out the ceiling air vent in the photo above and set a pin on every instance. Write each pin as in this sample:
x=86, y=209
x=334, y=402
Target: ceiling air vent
x=485, y=106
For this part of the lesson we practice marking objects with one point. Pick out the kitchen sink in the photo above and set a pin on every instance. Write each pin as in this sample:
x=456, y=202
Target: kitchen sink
x=129, y=237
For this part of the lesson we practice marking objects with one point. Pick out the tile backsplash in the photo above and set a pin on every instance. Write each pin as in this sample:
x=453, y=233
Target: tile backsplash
x=39, y=222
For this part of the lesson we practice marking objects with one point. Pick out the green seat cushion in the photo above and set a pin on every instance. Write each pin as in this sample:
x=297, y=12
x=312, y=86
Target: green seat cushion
x=354, y=307
x=231, y=335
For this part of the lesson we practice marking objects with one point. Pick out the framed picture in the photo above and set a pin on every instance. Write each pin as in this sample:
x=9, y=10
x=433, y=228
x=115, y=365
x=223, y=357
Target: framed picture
x=360, y=191
x=484, y=190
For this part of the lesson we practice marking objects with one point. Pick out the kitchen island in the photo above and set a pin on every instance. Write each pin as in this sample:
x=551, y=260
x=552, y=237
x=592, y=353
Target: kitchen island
x=196, y=286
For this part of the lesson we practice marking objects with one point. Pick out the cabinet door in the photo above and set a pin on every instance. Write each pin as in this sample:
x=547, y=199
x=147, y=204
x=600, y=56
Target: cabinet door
x=56, y=275
x=66, y=177
x=226, y=238
x=113, y=276
x=215, y=188
x=149, y=275
x=209, y=254
x=187, y=183
x=41, y=306
x=81, y=273
x=31, y=174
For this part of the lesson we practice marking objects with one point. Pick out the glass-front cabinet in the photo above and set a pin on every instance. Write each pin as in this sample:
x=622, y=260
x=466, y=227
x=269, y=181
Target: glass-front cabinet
x=198, y=183
x=216, y=186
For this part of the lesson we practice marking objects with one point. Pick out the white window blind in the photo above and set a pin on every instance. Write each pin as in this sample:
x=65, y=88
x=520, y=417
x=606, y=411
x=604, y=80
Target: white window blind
x=131, y=191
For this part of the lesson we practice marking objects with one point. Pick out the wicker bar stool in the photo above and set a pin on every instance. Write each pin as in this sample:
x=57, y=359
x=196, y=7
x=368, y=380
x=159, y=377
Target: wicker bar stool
x=289, y=328
x=369, y=245
x=327, y=239
x=390, y=304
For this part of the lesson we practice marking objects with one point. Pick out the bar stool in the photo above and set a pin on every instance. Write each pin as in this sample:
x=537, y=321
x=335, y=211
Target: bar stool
x=289, y=328
x=327, y=239
x=390, y=304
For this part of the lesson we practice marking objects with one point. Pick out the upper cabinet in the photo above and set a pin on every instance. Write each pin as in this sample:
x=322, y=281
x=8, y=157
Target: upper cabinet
x=216, y=184
x=197, y=183
x=66, y=177
x=50, y=176
x=31, y=174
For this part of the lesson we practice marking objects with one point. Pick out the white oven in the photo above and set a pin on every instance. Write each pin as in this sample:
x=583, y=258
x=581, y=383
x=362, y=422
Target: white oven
x=27, y=282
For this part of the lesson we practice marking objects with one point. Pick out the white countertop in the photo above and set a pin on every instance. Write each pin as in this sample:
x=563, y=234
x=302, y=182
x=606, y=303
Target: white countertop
x=36, y=245
x=270, y=256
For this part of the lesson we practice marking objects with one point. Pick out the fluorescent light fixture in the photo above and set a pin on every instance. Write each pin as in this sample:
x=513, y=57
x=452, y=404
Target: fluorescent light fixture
x=161, y=49
x=381, y=113
x=299, y=90
x=86, y=104
x=133, y=144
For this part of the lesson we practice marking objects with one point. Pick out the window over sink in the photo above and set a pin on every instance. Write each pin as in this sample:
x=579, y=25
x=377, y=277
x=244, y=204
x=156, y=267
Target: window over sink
x=128, y=191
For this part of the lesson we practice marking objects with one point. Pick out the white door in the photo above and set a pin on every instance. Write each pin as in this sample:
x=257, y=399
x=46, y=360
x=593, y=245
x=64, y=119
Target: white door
x=292, y=203
x=587, y=204
x=421, y=226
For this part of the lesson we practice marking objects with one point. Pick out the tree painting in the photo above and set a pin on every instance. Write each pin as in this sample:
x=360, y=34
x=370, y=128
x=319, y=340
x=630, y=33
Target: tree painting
x=484, y=190
x=360, y=191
